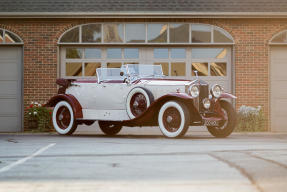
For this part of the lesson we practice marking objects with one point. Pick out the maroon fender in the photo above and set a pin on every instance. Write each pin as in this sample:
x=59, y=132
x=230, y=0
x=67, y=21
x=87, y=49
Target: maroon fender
x=216, y=103
x=227, y=95
x=149, y=117
x=76, y=106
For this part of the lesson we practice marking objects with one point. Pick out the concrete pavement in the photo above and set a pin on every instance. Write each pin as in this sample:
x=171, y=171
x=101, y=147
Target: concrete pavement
x=199, y=162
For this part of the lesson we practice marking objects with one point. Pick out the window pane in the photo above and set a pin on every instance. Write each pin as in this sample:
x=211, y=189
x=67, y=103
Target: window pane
x=114, y=65
x=157, y=33
x=90, y=68
x=92, y=33
x=131, y=53
x=91, y=53
x=160, y=53
x=114, y=53
x=1, y=36
x=73, y=69
x=218, y=69
x=281, y=38
x=220, y=37
x=216, y=53
x=11, y=38
x=178, y=69
x=71, y=36
x=113, y=33
x=202, y=69
x=201, y=34
x=164, y=66
x=177, y=53
x=179, y=33
x=74, y=53
x=135, y=33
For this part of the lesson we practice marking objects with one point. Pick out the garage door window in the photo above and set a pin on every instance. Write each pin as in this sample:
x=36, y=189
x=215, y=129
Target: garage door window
x=7, y=37
x=280, y=38
x=209, y=61
x=146, y=33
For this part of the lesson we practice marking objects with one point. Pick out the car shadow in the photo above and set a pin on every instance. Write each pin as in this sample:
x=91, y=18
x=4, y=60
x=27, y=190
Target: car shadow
x=140, y=136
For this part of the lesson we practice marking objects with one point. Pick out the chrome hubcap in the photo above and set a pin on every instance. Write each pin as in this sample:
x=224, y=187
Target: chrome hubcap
x=169, y=119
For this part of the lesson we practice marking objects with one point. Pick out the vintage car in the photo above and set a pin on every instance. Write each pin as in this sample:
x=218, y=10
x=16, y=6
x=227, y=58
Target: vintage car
x=140, y=95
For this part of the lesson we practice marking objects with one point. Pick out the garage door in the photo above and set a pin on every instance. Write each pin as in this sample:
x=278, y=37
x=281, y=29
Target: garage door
x=212, y=63
x=278, y=88
x=10, y=89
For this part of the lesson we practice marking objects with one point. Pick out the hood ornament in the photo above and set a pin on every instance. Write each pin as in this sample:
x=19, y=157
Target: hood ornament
x=196, y=74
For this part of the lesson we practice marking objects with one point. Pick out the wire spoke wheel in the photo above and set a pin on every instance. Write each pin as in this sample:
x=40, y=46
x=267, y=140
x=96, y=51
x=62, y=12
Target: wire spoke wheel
x=138, y=104
x=63, y=117
x=174, y=119
x=171, y=119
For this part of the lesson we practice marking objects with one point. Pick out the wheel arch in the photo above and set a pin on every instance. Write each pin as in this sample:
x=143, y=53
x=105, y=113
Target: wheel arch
x=76, y=106
x=149, y=117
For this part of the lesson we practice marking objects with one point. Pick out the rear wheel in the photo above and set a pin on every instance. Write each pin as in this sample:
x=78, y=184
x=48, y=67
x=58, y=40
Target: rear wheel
x=64, y=119
x=110, y=128
x=174, y=119
x=227, y=126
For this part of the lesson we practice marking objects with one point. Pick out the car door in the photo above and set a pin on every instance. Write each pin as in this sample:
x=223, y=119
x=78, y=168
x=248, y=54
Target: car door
x=111, y=96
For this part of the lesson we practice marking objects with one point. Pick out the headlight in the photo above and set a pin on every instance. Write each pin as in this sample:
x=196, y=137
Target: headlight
x=194, y=91
x=206, y=103
x=216, y=90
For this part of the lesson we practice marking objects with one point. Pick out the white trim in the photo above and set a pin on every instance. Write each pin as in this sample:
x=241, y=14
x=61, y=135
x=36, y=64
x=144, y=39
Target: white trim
x=143, y=14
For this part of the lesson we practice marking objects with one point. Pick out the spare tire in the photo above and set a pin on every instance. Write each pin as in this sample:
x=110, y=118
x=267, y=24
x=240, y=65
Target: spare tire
x=138, y=100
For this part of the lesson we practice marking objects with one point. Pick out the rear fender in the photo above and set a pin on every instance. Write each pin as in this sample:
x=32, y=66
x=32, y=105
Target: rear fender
x=76, y=106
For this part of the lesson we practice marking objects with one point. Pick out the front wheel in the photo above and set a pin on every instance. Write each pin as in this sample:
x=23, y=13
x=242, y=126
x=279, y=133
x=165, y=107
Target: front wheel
x=173, y=119
x=64, y=119
x=225, y=127
x=110, y=128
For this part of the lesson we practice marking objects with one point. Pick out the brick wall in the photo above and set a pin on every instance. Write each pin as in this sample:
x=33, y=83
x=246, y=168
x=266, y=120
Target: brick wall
x=251, y=51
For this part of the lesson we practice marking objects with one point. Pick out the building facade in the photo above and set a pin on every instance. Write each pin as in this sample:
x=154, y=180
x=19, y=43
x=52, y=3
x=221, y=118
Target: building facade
x=245, y=52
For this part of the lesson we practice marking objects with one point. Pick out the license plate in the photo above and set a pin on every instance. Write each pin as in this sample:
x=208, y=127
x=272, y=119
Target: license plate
x=211, y=123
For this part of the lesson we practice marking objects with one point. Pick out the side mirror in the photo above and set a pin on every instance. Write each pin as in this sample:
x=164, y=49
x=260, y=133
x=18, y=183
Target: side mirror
x=121, y=73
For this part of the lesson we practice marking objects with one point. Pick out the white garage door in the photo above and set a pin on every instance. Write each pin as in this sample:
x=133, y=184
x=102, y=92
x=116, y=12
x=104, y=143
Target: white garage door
x=10, y=88
x=278, y=88
x=212, y=63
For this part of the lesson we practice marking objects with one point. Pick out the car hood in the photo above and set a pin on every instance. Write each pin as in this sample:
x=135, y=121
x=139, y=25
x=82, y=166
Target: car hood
x=169, y=82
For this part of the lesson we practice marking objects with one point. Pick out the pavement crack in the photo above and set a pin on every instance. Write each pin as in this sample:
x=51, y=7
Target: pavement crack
x=12, y=140
x=265, y=159
x=242, y=171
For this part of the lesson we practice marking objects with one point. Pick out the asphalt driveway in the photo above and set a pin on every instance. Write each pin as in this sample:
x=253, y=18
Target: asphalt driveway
x=199, y=162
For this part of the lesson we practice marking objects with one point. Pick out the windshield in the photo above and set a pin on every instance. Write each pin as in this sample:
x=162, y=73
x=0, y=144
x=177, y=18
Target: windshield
x=107, y=74
x=131, y=71
x=143, y=70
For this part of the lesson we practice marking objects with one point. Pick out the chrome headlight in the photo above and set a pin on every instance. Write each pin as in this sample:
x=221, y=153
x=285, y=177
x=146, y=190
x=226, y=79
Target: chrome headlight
x=206, y=103
x=216, y=90
x=194, y=91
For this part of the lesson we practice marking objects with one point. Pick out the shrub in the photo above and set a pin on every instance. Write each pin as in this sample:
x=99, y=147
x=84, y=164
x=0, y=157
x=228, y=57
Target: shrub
x=39, y=117
x=250, y=119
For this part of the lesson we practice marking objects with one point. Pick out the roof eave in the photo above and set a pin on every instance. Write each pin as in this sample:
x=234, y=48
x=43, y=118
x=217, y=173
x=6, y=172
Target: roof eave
x=143, y=14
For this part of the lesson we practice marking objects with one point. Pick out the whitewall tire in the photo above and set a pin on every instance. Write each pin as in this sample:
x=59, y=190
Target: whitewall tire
x=63, y=118
x=173, y=119
x=138, y=101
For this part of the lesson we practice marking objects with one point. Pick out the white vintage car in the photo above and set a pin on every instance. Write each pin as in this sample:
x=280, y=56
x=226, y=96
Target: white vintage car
x=140, y=95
